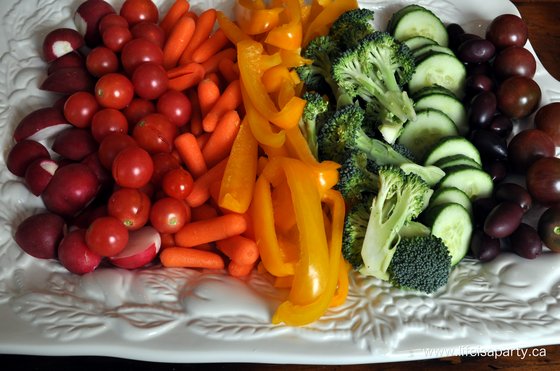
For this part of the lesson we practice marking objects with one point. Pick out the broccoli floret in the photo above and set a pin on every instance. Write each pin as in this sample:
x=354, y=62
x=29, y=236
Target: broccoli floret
x=338, y=132
x=312, y=117
x=355, y=226
x=400, y=199
x=375, y=71
x=356, y=179
x=420, y=263
x=352, y=26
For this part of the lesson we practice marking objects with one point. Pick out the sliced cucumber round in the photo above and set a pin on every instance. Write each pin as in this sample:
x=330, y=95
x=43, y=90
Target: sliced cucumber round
x=415, y=20
x=418, y=41
x=444, y=195
x=455, y=160
x=476, y=183
x=432, y=89
x=451, y=146
x=429, y=127
x=452, y=223
x=437, y=68
x=448, y=104
x=420, y=52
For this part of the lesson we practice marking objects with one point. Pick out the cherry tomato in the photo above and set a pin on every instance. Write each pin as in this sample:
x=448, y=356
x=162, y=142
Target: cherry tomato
x=507, y=30
x=132, y=168
x=115, y=37
x=176, y=106
x=112, y=19
x=155, y=133
x=131, y=206
x=114, y=90
x=163, y=162
x=101, y=61
x=110, y=147
x=549, y=227
x=177, y=183
x=150, y=31
x=543, y=180
x=150, y=80
x=138, y=51
x=169, y=215
x=106, y=121
x=518, y=96
x=547, y=119
x=137, y=109
x=79, y=109
x=107, y=236
x=135, y=11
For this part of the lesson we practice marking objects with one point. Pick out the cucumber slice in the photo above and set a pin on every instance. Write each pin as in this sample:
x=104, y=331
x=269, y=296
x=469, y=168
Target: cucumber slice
x=415, y=20
x=447, y=104
x=437, y=68
x=451, y=146
x=420, y=52
x=432, y=89
x=455, y=160
x=444, y=195
x=452, y=223
x=429, y=127
x=418, y=41
x=476, y=183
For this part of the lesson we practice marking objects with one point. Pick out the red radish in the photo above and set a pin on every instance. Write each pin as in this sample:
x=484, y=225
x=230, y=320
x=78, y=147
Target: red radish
x=70, y=190
x=39, y=235
x=74, y=254
x=39, y=174
x=68, y=80
x=87, y=18
x=88, y=215
x=143, y=246
x=103, y=175
x=23, y=154
x=41, y=124
x=74, y=59
x=61, y=41
x=74, y=143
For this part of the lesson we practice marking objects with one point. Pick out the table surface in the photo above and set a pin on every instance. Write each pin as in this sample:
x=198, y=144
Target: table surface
x=543, y=20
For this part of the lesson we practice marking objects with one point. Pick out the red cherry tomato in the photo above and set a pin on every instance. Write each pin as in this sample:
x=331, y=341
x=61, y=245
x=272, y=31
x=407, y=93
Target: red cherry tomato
x=177, y=183
x=106, y=121
x=155, y=133
x=135, y=11
x=169, y=215
x=176, y=106
x=112, y=19
x=138, y=51
x=150, y=31
x=79, y=109
x=163, y=162
x=132, y=168
x=101, y=61
x=107, y=236
x=111, y=146
x=114, y=90
x=150, y=80
x=131, y=206
x=115, y=37
x=137, y=109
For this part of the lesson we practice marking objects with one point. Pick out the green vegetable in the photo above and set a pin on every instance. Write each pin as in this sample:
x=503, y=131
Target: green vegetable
x=355, y=226
x=313, y=115
x=357, y=178
x=352, y=26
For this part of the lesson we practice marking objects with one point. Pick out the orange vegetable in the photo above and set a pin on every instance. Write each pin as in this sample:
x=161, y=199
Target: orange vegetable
x=228, y=69
x=177, y=9
x=201, y=192
x=289, y=35
x=212, y=63
x=229, y=100
x=189, y=151
x=209, y=47
x=196, y=115
x=232, y=30
x=221, y=140
x=208, y=93
x=210, y=230
x=203, y=211
x=239, y=249
x=239, y=270
x=182, y=257
x=178, y=39
x=192, y=74
x=254, y=20
x=203, y=29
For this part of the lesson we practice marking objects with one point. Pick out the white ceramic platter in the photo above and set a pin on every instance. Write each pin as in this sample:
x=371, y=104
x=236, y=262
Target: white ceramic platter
x=179, y=315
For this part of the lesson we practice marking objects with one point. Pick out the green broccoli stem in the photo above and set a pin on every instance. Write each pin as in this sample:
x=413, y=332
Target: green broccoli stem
x=377, y=151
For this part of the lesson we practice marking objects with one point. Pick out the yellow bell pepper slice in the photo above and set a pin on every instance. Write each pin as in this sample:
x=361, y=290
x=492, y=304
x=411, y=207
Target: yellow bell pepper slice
x=254, y=19
x=289, y=35
x=321, y=23
x=231, y=30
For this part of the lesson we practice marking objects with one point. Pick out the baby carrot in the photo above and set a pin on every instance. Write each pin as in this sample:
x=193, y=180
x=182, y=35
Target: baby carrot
x=211, y=230
x=219, y=144
x=177, y=41
x=239, y=249
x=203, y=29
x=192, y=76
x=182, y=257
x=202, y=139
x=177, y=9
x=239, y=270
x=229, y=100
x=212, y=45
x=190, y=153
x=208, y=93
x=212, y=63
x=204, y=211
x=228, y=69
x=214, y=190
x=201, y=187
x=196, y=115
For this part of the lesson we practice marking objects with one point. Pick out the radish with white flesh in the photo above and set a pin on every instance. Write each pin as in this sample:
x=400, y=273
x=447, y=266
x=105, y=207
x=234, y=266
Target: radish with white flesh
x=142, y=248
x=74, y=254
x=39, y=235
x=87, y=18
x=41, y=124
x=23, y=154
x=60, y=42
x=39, y=174
x=68, y=80
x=74, y=144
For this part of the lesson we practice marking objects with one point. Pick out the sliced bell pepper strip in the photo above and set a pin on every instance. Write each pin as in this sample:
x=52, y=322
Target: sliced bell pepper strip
x=289, y=35
x=321, y=23
x=231, y=30
x=254, y=19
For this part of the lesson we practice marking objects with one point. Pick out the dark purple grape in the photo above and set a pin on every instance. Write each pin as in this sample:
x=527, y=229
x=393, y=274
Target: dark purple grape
x=515, y=193
x=482, y=109
x=466, y=37
x=503, y=220
x=477, y=83
x=481, y=208
x=497, y=169
x=479, y=68
x=525, y=242
x=484, y=247
x=476, y=51
x=490, y=145
x=501, y=125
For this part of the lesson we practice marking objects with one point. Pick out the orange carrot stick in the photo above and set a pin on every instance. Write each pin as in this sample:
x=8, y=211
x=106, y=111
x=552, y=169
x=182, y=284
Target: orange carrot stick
x=204, y=211
x=239, y=249
x=190, y=153
x=208, y=93
x=200, y=192
x=192, y=76
x=216, y=42
x=212, y=63
x=214, y=190
x=229, y=100
x=219, y=144
x=177, y=41
x=211, y=230
x=203, y=29
x=178, y=9
x=228, y=69
x=181, y=257
x=196, y=115
x=239, y=270
x=202, y=139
